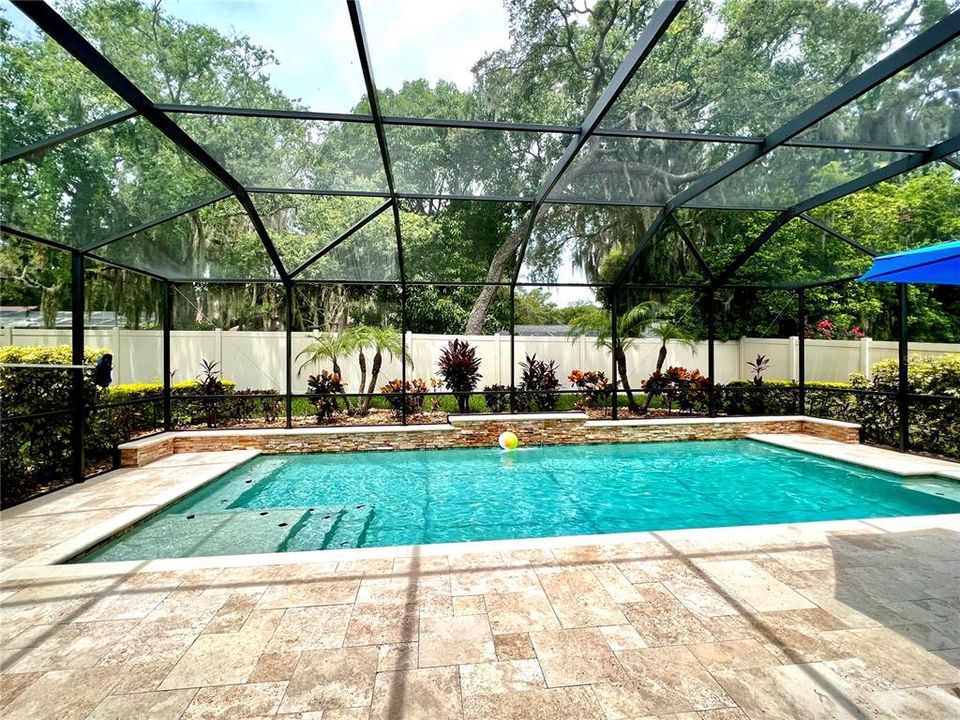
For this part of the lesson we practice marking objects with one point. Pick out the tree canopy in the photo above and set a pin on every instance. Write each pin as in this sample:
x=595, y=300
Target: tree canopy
x=728, y=67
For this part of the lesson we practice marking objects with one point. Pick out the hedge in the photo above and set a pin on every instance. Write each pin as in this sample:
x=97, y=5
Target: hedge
x=934, y=422
x=38, y=450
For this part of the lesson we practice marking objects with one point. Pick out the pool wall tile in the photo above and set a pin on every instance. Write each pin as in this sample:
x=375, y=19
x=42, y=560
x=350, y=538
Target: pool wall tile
x=481, y=431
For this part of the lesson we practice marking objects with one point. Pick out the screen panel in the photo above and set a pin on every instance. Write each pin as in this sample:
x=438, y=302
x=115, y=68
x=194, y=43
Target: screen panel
x=283, y=153
x=46, y=91
x=217, y=241
x=102, y=184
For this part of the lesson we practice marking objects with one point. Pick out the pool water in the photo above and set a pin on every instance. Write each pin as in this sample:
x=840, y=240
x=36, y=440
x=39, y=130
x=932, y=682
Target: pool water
x=282, y=503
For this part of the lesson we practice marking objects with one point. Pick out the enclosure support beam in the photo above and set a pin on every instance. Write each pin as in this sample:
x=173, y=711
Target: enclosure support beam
x=711, y=354
x=288, y=297
x=801, y=350
x=167, y=325
x=447, y=123
x=614, y=341
x=363, y=52
x=159, y=221
x=513, y=359
x=903, y=384
x=909, y=53
x=77, y=302
x=655, y=29
x=738, y=262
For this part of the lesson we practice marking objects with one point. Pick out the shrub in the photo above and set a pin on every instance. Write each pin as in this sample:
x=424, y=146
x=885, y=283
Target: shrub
x=416, y=389
x=210, y=387
x=595, y=387
x=687, y=388
x=248, y=404
x=538, y=384
x=323, y=389
x=497, y=398
x=459, y=367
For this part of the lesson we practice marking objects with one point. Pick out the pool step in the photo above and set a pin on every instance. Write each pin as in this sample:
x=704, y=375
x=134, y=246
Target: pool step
x=350, y=530
x=197, y=535
x=312, y=530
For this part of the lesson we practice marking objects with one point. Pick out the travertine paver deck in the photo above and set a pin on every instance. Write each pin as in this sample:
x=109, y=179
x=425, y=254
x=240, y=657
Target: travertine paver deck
x=816, y=620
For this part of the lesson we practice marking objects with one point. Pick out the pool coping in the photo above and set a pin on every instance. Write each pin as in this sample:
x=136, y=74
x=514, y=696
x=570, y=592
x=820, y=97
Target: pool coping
x=49, y=559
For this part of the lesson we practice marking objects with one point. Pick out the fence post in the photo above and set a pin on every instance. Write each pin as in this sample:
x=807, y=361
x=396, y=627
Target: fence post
x=741, y=356
x=77, y=307
x=218, y=348
x=792, y=343
x=499, y=360
x=8, y=336
x=866, y=366
x=115, y=341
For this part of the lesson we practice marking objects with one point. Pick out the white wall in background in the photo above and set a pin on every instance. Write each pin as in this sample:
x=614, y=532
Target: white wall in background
x=255, y=359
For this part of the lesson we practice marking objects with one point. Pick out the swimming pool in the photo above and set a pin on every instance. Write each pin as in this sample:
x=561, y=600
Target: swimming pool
x=282, y=503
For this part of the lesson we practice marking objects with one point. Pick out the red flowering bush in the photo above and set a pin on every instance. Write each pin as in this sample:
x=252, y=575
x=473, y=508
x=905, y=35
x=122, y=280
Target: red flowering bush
x=594, y=385
x=827, y=330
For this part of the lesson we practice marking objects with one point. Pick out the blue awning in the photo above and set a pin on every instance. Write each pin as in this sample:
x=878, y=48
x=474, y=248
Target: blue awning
x=935, y=264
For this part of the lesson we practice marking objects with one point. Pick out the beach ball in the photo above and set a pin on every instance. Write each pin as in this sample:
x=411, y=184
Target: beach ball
x=508, y=440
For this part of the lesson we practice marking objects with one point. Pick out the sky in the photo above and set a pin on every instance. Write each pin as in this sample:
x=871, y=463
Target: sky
x=317, y=56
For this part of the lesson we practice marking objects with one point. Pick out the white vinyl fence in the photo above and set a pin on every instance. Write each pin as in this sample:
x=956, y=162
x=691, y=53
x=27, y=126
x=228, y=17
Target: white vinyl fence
x=255, y=359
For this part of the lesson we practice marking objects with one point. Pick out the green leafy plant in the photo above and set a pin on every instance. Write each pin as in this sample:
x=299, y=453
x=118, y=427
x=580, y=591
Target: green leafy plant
x=538, y=384
x=459, y=367
x=323, y=390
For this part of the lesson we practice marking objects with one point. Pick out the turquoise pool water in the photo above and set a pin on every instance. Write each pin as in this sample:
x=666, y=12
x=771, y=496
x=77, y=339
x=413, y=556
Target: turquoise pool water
x=280, y=503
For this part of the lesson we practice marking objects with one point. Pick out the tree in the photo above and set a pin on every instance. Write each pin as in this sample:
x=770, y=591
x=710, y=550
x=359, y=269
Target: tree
x=381, y=340
x=331, y=346
x=635, y=323
x=665, y=332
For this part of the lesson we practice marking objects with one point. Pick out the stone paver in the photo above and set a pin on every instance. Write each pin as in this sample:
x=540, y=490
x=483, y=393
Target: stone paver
x=841, y=619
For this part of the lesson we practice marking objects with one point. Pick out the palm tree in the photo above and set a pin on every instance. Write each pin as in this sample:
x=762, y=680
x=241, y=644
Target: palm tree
x=330, y=346
x=631, y=325
x=382, y=340
x=666, y=331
